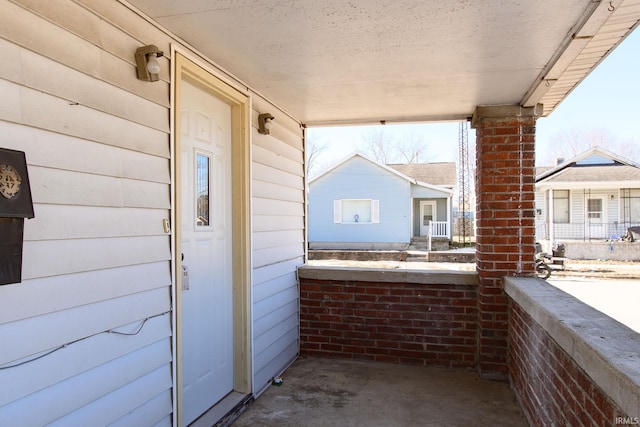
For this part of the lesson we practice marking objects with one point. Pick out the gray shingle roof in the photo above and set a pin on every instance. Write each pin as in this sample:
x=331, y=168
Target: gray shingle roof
x=597, y=173
x=441, y=173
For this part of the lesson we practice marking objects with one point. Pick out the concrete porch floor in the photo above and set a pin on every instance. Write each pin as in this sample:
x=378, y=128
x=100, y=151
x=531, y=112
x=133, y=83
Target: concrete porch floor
x=319, y=392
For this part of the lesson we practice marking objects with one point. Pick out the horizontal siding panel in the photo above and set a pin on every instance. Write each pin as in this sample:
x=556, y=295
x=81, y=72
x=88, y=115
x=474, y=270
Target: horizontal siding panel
x=266, y=306
x=280, y=148
x=269, y=158
x=38, y=334
x=153, y=412
x=76, y=188
x=268, y=190
x=37, y=297
x=271, y=287
x=129, y=22
x=145, y=194
x=274, y=239
x=50, y=258
x=69, y=15
x=86, y=123
x=276, y=222
x=271, y=320
x=122, y=401
x=58, y=151
x=165, y=422
x=33, y=108
x=262, y=257
x=39, y=35
x=98, y=396
x=136, y=165
x=10, y=101
x=23, y=28
x=262, y=206
x=45, y=75
x=275, y=359
x=62, y=222
x=77, y=359
x=11, y=68
x=268, y=174
x=276, y=332
x=274, y=271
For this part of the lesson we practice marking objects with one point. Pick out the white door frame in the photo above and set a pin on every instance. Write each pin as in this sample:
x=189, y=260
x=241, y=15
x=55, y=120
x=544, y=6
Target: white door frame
x=185, y=68
x=434, y=208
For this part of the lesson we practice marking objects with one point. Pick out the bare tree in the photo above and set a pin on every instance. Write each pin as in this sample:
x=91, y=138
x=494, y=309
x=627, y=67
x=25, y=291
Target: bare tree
x=412, y=148
x=569, y=143
x=379, y=144
x=630, y=148
x=385, y=149
x=313, y=150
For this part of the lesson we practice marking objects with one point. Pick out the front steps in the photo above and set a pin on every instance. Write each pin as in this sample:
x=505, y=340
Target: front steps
x=421, y=243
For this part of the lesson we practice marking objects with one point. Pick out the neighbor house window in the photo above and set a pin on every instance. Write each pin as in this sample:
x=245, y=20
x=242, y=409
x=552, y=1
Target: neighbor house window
x=356, y=211
x=631, y=204
x=561, y=206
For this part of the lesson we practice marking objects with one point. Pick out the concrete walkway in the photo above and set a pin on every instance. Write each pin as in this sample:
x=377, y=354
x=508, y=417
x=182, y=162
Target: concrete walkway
x=346, y=393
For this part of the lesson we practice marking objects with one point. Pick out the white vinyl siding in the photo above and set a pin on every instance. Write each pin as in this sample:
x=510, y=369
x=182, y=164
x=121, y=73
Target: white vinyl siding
x=95, y=258
x=278, y=242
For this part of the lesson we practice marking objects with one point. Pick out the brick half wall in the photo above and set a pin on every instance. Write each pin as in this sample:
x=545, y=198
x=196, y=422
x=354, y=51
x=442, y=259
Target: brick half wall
x=391, y=316
x=570, y=365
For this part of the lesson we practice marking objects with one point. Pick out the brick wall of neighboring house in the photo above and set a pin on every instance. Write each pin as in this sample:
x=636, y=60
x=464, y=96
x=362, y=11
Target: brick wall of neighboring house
x=551, y=387
x=408, y=323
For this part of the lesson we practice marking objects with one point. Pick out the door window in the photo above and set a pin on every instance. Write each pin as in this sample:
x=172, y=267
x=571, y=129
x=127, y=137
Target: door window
x=427, y=214
x=594, y=210
x=203, y=178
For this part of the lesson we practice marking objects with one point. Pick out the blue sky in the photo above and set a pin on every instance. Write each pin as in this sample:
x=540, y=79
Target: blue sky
x=605, y=102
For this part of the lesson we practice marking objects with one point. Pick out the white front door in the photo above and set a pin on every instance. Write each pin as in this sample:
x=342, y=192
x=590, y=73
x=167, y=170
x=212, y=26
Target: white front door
x=206, y=247
x=427, y=213
x=596, y=217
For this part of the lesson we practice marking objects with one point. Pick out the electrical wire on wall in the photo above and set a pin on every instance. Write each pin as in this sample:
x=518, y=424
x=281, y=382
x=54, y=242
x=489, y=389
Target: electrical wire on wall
x=136, y=331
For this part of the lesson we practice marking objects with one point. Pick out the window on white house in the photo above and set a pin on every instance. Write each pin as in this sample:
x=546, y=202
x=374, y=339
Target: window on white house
x=360, y=211
x=561, y=206
x=631, y=204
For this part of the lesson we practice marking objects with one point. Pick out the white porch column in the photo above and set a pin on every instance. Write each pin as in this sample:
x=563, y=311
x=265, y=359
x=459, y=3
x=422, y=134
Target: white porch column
x=412, y=232
x=552, y=234
x=449, y=219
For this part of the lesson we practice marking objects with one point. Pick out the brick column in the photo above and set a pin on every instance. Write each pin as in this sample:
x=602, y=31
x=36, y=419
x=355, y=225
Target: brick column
x=505, y=225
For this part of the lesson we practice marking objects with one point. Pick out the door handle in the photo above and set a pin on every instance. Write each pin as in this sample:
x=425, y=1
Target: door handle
x=185, y=276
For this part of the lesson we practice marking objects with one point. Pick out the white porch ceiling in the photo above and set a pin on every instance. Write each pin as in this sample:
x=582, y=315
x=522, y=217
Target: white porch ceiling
x=365, y=61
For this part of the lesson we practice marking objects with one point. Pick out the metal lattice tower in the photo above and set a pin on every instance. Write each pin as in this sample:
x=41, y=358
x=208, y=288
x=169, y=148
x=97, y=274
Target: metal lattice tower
x=463, y=182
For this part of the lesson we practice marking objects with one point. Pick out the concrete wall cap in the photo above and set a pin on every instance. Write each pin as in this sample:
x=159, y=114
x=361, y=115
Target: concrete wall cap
x=608, y=351
x=503, y=111
x=388, y=276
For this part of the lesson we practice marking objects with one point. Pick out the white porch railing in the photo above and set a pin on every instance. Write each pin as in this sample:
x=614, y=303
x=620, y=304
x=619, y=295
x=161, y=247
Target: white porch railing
x=438, y=229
